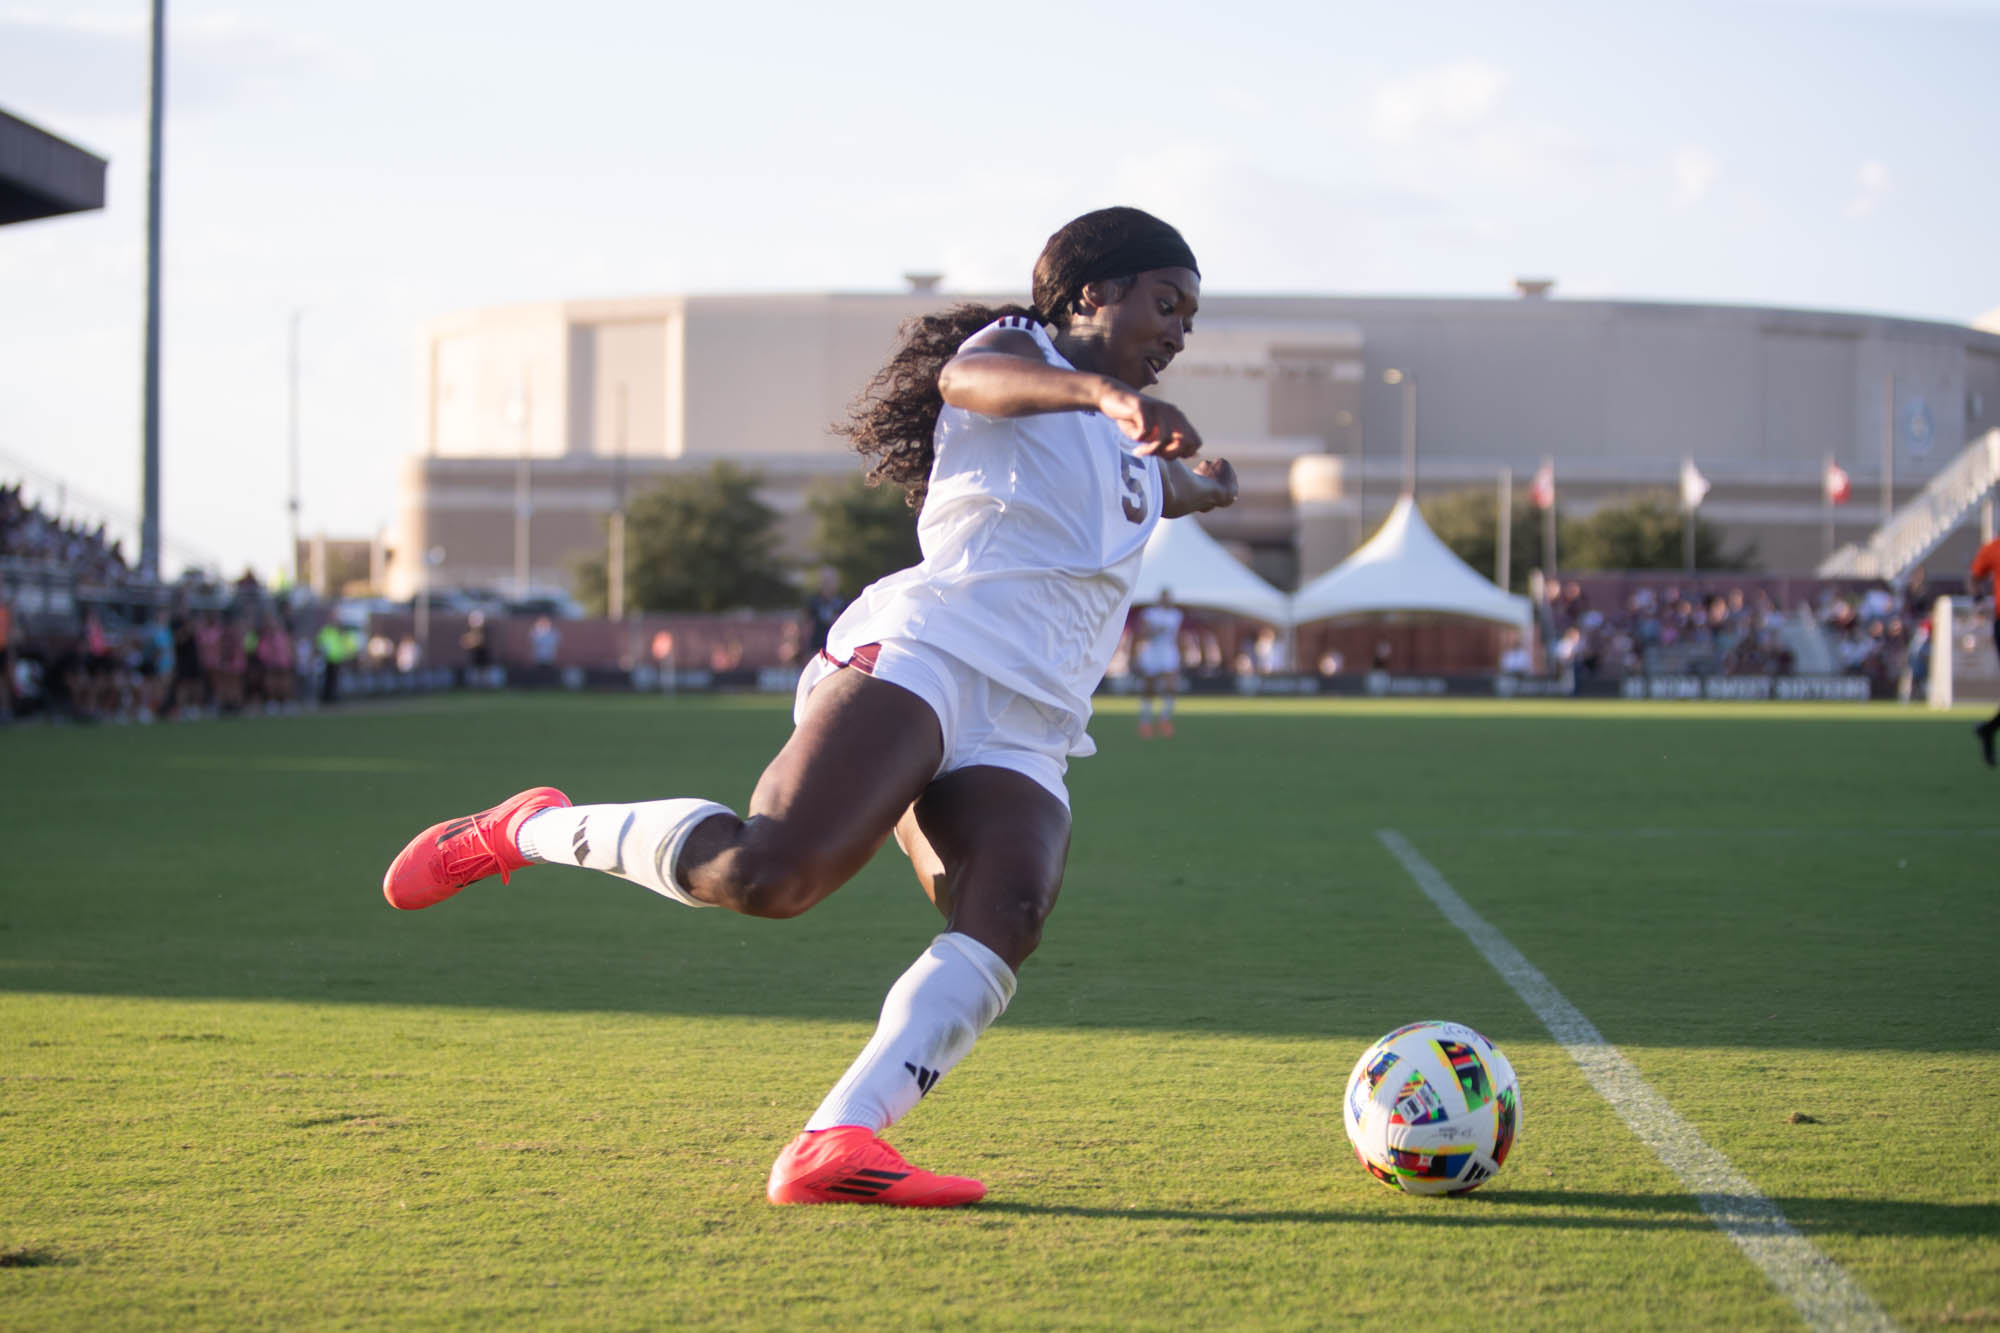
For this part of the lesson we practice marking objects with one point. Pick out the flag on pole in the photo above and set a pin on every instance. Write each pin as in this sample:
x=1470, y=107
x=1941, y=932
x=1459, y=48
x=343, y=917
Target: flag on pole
x=1542, y=488
x=1839, y=490
x=1693, y=485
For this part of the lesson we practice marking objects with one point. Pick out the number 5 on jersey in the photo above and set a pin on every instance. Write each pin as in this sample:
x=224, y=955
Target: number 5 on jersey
x=1131, y=472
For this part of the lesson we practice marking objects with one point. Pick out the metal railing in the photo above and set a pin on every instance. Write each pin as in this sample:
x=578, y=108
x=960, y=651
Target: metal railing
x=1921, y=525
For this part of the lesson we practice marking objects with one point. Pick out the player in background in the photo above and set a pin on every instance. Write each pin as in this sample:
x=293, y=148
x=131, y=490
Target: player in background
x=1156, y=661
x=950, y=696
x=1985, y=570
x=822, y=607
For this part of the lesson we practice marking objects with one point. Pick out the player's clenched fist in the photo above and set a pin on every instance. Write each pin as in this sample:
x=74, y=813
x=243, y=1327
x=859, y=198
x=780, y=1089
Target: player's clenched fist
x=1159, y=427
x=1221, y=473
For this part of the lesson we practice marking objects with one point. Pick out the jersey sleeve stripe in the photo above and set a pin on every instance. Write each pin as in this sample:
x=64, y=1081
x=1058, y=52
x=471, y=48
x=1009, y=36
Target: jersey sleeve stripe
x=1028, y=325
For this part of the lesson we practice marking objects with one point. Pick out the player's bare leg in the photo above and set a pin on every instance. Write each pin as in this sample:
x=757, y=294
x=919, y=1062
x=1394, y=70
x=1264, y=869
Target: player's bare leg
x=862, y=753
x=859, y=759
x=932, y=876
x=824, y=806
x=988, y=846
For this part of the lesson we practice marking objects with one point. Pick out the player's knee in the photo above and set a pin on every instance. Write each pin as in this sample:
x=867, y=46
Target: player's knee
x=776, y=879
x=776, y=892
x=1011, y=924
x=1025, y=936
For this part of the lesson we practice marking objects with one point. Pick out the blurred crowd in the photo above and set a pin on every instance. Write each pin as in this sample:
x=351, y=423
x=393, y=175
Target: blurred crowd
x=84, y=638
x=181, y=664
x=1667, y=630
x=28, y=532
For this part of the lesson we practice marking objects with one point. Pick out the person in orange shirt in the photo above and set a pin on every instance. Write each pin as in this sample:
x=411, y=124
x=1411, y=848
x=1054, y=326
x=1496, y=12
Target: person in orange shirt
x=1986, y=569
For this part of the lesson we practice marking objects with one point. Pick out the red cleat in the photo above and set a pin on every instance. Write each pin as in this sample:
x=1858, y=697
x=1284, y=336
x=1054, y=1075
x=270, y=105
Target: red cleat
x=848, y=1164
x=1145, y=731
x=1167, y=728
x=446, y=857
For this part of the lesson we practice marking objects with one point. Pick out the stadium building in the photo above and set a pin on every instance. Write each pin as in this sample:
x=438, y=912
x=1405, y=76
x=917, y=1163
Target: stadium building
x=538, y=418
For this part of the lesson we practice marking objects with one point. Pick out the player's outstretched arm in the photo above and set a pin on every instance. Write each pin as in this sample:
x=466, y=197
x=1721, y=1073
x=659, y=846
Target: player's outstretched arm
x=1207, y=483
x=1001, y=373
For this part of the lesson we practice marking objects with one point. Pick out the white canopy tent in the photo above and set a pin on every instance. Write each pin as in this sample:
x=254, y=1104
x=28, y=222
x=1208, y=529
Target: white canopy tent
x=1404, y=567
x=1185, y=561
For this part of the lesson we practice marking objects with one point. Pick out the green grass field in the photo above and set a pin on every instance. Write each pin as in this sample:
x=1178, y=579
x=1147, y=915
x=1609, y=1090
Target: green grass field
x=239, y=1091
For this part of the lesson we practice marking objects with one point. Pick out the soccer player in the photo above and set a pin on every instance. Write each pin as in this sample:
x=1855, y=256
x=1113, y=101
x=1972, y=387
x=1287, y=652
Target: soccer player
x=1156, y=661
x=951, y=695
x=821, y=609
x=1986, y=570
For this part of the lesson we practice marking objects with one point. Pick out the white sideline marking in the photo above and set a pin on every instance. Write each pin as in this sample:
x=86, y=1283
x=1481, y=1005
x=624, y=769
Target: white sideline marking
x=1818, y=1288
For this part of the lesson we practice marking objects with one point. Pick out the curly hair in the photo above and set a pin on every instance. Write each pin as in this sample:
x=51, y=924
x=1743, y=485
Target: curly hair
x=892, y=422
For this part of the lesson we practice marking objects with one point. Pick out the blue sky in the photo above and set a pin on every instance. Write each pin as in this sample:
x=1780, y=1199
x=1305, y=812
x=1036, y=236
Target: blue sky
x=378, y=164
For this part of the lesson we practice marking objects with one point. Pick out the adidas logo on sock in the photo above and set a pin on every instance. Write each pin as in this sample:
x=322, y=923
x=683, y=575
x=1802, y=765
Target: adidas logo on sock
x=926, y=1078
x=581, y=844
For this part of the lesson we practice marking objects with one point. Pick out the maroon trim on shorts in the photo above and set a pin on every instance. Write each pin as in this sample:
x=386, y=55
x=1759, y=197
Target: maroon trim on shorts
x=863, y=660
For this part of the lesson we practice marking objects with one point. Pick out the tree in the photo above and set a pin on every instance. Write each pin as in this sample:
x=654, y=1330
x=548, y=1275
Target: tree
x=1639, y=532
x=1647, y=531
x=863, y=531
x=702, y=542
x=1465, y=521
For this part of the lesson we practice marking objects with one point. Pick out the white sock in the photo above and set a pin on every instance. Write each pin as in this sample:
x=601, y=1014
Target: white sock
x=931, y=1017
x=635, y=842
x=1167, y=706
x=1145, y=710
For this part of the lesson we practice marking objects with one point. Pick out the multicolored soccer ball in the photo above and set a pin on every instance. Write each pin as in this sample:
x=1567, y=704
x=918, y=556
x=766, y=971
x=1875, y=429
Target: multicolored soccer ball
x=1432, y=1108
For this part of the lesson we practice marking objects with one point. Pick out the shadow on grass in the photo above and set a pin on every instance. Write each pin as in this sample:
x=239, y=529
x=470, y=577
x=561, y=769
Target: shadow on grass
x=1563, y=1210
x=31, y=1256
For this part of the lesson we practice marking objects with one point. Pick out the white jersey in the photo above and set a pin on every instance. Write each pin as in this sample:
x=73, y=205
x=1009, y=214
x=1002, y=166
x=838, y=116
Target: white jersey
x=1032, y=532
x=1157, y=651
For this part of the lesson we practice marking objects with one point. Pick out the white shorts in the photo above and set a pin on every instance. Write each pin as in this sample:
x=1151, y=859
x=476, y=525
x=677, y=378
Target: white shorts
x=982, y=721
x=1157, y=659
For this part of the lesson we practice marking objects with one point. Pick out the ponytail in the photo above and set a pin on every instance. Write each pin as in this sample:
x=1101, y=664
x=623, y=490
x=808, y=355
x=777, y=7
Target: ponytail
x=893, y=422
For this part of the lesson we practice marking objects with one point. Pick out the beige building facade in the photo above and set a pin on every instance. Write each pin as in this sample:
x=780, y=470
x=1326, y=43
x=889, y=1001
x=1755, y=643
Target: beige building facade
x=537, y=418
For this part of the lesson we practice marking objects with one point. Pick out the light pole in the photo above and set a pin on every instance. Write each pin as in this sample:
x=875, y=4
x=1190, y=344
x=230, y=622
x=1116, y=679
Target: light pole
x=1888, y=449
x=614, y=571
x=149, y=492
x=292, y=441
x=517, y=409
x=432, y=557
x=1408, y=380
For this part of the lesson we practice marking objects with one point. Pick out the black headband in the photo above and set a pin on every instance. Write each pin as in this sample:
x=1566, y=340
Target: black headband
x=1138, y=255
x=1108, y=244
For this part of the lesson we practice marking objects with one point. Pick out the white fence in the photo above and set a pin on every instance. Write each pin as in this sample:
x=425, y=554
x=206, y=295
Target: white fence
x=1964, y=665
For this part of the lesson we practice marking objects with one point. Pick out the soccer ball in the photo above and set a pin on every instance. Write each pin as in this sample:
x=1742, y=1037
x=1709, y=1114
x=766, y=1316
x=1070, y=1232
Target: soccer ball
x=1432, y=1108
